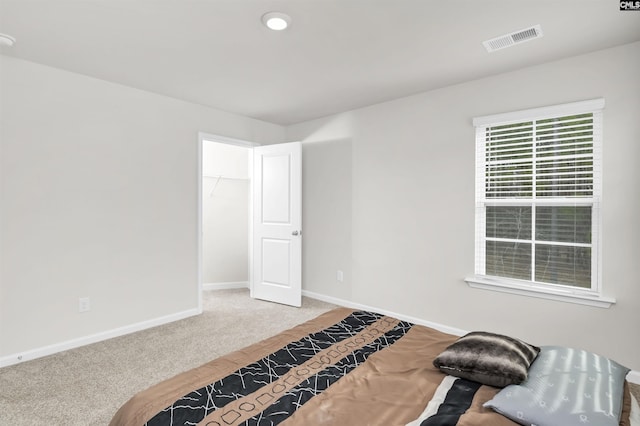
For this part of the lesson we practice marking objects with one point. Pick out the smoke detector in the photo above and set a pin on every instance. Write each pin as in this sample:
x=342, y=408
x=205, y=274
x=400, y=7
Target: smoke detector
x=513, y=38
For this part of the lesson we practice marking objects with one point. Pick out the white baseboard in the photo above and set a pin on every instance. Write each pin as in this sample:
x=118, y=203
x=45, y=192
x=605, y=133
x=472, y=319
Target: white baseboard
x=632, y=377
x=225, y=286
x=93, y=338
x=349, y=304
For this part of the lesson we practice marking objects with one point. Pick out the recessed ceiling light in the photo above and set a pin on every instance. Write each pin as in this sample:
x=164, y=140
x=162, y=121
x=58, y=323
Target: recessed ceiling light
x=276, y=21
x=6, y=40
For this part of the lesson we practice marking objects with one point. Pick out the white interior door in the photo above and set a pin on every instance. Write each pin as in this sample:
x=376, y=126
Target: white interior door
x=277, y=220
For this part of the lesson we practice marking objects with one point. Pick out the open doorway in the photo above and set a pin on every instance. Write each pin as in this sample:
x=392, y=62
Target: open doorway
x=236, y=248
x=225, y=212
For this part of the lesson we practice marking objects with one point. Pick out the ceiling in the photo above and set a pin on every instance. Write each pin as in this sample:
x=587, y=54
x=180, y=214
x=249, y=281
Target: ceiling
x=337, y=55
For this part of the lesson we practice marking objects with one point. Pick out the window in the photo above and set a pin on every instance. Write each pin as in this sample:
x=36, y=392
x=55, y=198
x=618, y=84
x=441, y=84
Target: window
x=538, y=190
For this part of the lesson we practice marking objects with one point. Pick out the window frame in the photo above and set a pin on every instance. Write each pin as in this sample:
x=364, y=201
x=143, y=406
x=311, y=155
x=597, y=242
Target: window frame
x=591, y=296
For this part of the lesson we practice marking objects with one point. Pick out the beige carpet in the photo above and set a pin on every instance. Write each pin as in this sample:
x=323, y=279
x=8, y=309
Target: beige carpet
x=85, y=386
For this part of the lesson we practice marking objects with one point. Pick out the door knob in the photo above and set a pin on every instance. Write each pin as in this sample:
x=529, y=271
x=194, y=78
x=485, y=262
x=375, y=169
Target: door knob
x=294, y=233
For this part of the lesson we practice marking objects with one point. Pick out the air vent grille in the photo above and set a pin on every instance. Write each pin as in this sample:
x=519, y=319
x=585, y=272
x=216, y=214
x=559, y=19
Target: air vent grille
x=513, y=38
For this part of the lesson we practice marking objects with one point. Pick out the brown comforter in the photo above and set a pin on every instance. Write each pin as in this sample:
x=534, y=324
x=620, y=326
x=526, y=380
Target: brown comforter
x=343, y=368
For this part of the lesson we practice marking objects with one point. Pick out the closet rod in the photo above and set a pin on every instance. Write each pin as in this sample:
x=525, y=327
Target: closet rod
x=225, y=177
x=218, y=177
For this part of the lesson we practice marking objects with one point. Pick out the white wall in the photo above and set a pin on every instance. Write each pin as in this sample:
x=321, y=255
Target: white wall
x=225, y=213
x=98, y=199
x=389, y=192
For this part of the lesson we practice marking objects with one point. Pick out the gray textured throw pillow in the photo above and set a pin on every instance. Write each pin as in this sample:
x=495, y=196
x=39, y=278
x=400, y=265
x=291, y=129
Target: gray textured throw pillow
x=568, y=387
x=488, y=358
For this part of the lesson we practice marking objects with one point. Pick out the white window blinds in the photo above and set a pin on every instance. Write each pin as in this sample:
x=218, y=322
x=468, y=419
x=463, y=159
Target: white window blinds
x=547, y=158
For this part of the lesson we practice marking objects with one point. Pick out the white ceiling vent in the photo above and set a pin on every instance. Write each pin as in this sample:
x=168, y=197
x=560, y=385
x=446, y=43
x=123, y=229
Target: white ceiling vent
x=513, y=38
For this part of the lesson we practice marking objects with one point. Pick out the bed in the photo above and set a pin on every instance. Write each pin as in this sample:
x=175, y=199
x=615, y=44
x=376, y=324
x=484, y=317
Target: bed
x=344, y=367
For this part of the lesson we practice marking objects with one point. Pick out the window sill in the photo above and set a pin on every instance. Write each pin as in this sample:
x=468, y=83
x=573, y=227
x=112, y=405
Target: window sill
x=532, y=290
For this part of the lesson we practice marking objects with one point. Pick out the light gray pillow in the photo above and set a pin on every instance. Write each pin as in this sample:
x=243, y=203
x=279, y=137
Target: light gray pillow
x=568, y=387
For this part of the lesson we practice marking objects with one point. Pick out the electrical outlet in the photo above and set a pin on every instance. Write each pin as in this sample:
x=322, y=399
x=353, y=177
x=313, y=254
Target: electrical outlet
x=340, y=276
x=84, y=304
